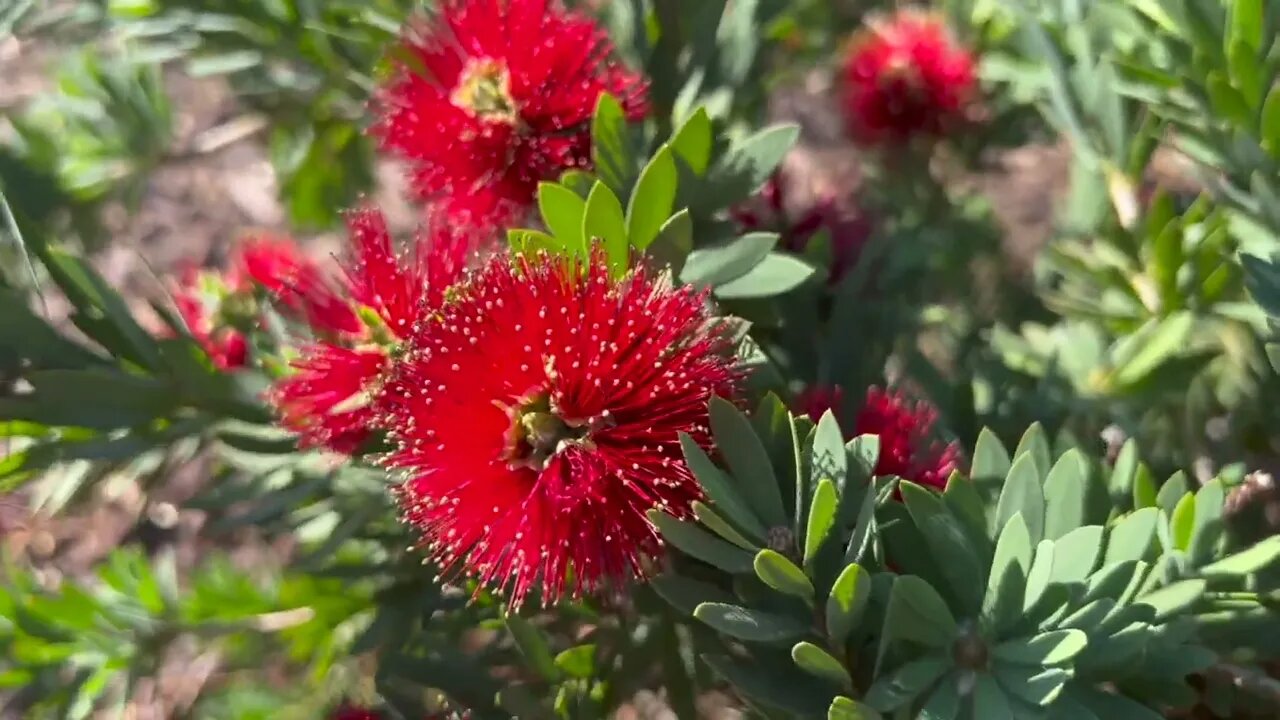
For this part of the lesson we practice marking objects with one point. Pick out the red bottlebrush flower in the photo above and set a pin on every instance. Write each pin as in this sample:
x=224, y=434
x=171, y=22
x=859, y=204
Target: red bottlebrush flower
x=904, y=77
x=198, y=304
x=538, y=420
x=328, y=398
x=904, y=427
x=297, y=283
x=506, y=101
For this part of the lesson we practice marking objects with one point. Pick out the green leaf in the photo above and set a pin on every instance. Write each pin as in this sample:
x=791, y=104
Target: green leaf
x=822, y=517
x=747, y=165
x=792, y=691
x=717, y=265
x=532, y=242
x=603, y=220
x=674, y=243
x=719, y=489
x=917, y=613
x=1022, y=494
x=1172, y=491
x=563, y=213
x=722, y=527
x=748, y=461
x=1076, y=554
x=1038, y=686
x=1035, y=443
x=1132, y=537
x=692, y=142
x=1151, y=347
x=578, y=662
x=944, y=703
x=906, y=683
x=698, y=543
x=651, y=203
x=1246, y=562
x=842, y=708
x=611, y=152
x=957, y=560
x=990, y=458
x=748, y=624
x=1210, y=500
x=685, y=594
x=100, y=311
x=1247, y=22
x=1006, y=585
x=533, y=646
x=847, y=603
x=1270, y=124
x=1055, y=647
x=1174, y=598
x=989, y=701
x=1040, y=575
x=1125, y=470
x=776, y=274
x=1065, y=491
x=782, y=575
x=1182, y=524
x=1144, y=489
x=817, y=662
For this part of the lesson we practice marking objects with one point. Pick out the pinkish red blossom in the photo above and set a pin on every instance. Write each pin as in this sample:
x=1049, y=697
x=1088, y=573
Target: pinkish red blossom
x=538, y=419
x=198, y=295
x=297, y=283
x=497, y=96
x=905, y=428
x=328, y=397
x=905, y=76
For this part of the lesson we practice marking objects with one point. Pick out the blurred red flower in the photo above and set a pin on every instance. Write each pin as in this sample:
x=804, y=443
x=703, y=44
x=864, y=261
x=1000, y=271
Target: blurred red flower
x=496, y=95
x=298, y=284
x=198, y=295
x=539, y=418
x=328, y=397
x=905, y=428
x=905, y=76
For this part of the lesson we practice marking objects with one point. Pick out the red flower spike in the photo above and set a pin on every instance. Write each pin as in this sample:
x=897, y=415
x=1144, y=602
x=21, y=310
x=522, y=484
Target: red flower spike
x=904, y=427
x=538, y=419
x=905, y=77
x=297, y=283
x=505, y=101
x=353, y=712
x=328, y=400
x=199, y=309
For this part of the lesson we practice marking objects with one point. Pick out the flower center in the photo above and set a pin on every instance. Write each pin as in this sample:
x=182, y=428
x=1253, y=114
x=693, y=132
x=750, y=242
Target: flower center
x=538, y=432
x=484, y=90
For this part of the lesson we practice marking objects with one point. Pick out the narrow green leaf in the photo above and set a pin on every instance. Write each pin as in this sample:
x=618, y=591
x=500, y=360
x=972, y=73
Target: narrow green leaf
x=1245, y=562
x=989, y=701
x=1182, y=524
x=842, y=708
x=611, y=151
x=533, y=645
x=1038, y=686
x=603, y=220
x=822, y=517
x=1056, y=647
x=944, y=703
x=1040, y=575
x=1076, y=554
x=717, y=265
x=1144, y=489
x=1124, y=471
x=1166, y=339
x=563, y=212
x=957, y=559
x=1247, y=22
x=748, y=624
x=1006, y=585
x=651, y=203
x=917, y=613
x=748, y=461
x=847, y=603
x=1065, y=491
x=578, y=662
x=905, y=684
x=722, y=527
x=1022, y=495
x=990, y=458
x=782, y=575
x=1270, y=125
x=819, y=663
x=698, y=543
x=1132, y=537
x=777, y=273
x=1035, y=443
x=692, y=142
x=719, y=489
x=1174, y=598
x=1210, y=500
